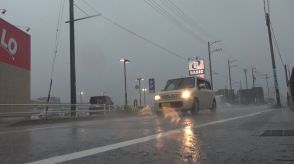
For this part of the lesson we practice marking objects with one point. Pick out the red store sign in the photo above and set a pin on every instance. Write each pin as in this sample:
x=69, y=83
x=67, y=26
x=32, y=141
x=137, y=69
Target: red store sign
x=15, y=46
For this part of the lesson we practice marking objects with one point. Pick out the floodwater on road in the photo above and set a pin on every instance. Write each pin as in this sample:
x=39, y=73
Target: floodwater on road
x=230, y=135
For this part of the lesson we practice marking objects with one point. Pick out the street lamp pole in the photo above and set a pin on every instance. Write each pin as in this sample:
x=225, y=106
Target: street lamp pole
x=144, y=91
x=81, y=96
x=139, y=79
x=125, y=78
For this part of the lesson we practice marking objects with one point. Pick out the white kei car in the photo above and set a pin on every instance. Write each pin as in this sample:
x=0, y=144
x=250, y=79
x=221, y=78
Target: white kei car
x=185, y=94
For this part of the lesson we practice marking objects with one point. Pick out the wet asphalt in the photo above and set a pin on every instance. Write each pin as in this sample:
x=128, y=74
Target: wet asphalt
x=204, y=138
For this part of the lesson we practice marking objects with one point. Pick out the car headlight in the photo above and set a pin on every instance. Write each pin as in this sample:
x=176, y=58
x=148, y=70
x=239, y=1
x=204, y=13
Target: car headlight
x=157, y=97
x=186, y=94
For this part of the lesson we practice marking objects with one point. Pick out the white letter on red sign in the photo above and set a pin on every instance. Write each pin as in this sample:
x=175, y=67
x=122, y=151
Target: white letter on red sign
x=3, y=38
x=12, y=49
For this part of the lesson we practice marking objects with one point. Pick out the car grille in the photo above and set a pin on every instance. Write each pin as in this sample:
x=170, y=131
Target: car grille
x=175, y=104
x=170, y=96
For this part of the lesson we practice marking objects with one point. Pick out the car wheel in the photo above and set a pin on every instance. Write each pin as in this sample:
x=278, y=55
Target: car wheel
x=213, y=107
x=195, y=108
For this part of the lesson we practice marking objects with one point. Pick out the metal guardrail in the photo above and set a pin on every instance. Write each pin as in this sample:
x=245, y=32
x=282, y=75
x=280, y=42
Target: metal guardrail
x=38, y=111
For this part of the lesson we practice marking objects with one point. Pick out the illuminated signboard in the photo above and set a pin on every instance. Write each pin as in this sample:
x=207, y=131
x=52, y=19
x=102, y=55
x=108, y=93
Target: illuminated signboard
x=197, y=67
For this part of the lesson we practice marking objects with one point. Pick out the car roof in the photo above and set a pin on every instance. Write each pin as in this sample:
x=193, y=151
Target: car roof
x=191, y=76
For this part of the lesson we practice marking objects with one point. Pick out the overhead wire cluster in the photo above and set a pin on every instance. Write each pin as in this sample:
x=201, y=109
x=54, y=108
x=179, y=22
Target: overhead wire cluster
x=115, y=23
x=172, y=13
x=57, y=35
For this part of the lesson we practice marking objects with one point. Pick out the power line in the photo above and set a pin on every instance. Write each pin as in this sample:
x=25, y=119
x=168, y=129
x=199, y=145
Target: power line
x=57, y=36
x=186, y=18
x=56, y=45
x=159, y=9
x=136, y=34
x=81, y=10
x=277, y=45
x=143, y=38
x=90, y=6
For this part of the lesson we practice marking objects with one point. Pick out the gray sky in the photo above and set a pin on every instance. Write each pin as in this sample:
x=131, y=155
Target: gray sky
x=240, y=24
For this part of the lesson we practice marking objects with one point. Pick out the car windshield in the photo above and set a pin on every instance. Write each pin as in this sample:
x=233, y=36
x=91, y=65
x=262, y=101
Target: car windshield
x=181, y=83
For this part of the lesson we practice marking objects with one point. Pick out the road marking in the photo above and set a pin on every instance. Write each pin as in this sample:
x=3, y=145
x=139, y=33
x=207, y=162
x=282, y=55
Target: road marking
x=93, y=151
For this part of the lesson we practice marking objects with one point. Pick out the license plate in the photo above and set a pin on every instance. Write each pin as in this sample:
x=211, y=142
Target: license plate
x=165, y=104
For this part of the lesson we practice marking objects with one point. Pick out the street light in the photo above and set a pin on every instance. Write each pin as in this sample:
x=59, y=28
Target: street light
x=139, y=79
x=81, y=96
x=125, y=76
x=209, y=55
x=144, y=91
x=3, y=11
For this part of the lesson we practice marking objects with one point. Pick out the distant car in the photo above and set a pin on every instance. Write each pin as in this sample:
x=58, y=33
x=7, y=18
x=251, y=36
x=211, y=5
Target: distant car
x=100, y=101
x=186, y=94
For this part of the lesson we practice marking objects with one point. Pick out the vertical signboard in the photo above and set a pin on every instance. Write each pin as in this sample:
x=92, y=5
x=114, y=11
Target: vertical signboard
x=151, y=85
x=197, y=67
x=15, y=66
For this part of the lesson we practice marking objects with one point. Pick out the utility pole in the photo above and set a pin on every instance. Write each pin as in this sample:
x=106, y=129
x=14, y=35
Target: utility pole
x=287, y=82
x=266, y=77
x=245, y=72
x=139, y=79
x=229, y=65
x=210, y=70
x=72, y=59
x=73, y=97
x=268, y=22
x=253, y=77
x=286, y=72
x=209, y=55
x=240, y=85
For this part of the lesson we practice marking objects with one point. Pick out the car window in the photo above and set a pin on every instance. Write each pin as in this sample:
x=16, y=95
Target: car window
x=207, y=84
x=201, y=82
x=181, y=83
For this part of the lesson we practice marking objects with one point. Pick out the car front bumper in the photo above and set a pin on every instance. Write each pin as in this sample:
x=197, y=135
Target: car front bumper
x=177, y=105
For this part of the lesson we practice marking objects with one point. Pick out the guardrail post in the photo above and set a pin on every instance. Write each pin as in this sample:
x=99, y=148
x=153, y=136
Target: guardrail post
x=104, y=108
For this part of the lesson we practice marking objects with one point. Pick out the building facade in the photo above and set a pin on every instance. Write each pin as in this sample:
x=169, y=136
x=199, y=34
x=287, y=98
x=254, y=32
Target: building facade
x=15, y=66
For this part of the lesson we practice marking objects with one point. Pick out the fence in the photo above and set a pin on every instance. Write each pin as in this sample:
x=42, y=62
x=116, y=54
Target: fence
x=40, y=111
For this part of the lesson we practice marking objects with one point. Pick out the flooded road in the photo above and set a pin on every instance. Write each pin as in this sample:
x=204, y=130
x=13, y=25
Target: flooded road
x=230, y=135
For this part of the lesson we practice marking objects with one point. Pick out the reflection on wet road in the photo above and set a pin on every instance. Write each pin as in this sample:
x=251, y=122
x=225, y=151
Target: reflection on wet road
x=190, y=148
x=148, y=139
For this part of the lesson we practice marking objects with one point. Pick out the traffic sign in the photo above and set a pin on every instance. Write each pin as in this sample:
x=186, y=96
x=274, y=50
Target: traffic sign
x=151, y=85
